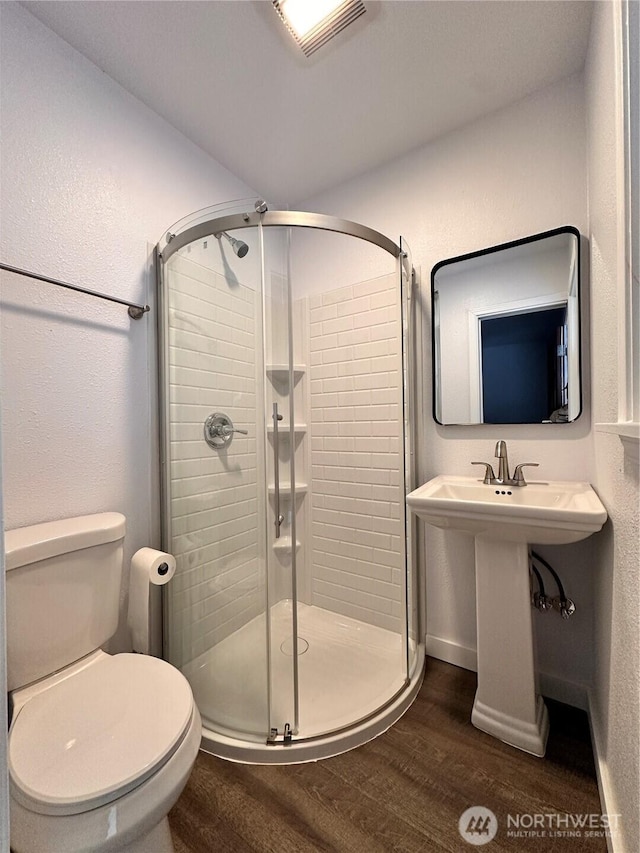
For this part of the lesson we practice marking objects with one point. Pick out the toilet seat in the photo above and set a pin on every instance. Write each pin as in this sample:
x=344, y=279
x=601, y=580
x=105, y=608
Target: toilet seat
x=92, y=737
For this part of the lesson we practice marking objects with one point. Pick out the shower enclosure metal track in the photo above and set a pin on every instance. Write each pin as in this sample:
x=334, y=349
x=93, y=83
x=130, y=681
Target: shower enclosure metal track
x=293, y=218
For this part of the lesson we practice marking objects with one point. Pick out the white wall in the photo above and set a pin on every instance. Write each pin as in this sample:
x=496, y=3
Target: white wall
x=90, y=180
x=4, y=765
x=616, y=694
x=517, y=172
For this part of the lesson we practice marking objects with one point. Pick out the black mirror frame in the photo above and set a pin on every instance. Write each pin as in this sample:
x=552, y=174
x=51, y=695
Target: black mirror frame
x=565, y=229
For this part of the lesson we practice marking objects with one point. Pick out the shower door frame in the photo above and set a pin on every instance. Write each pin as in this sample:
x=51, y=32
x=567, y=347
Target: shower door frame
x=236, y=221
x=291, y=218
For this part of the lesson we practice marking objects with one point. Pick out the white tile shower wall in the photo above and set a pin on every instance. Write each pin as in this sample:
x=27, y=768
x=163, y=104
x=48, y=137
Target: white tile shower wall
x=357, y=551
x=213, y=494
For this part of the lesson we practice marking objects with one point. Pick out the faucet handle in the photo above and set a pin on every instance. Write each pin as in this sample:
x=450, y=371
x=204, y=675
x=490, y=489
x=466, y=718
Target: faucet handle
x=489, y=476
x=518, y=476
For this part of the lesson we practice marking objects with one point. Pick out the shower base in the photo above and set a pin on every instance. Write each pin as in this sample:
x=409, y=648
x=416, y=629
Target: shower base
x=350, y=686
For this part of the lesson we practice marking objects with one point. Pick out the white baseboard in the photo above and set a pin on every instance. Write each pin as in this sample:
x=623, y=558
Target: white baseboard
x=615, y=843
x=569, y=692
x=451, y=652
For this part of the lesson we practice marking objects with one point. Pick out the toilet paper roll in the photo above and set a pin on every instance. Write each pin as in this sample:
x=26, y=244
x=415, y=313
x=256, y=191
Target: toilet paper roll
x=148, y=567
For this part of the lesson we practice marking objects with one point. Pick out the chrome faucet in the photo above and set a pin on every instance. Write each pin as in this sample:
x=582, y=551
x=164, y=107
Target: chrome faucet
x=504, y=478
x=503, y=465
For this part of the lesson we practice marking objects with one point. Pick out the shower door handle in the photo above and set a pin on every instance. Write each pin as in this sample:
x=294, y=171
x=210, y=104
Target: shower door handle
x=276, y=470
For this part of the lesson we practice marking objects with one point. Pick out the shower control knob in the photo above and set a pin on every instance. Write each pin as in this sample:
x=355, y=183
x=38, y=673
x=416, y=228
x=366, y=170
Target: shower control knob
x=219, y=430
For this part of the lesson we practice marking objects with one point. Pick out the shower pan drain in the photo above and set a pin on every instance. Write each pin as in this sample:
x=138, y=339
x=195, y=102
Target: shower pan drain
x=287, y=646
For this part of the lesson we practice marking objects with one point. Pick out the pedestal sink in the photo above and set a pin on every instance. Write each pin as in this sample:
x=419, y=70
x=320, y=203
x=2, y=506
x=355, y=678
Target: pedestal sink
x=504, y=520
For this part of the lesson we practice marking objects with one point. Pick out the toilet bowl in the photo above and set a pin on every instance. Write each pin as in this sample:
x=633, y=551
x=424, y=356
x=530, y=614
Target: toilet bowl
x=101, y=748
x=98, y=755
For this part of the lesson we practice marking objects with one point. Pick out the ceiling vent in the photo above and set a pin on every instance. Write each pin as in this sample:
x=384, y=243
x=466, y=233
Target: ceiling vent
x=313, y=24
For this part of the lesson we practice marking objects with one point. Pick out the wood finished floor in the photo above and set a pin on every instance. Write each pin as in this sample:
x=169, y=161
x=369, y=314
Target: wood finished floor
x=404, y=791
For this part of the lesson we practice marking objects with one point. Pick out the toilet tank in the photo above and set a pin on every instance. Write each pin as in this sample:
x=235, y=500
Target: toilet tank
x=63, y=592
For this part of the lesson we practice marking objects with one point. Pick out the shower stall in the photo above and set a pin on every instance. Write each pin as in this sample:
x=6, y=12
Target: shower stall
x=285, y=391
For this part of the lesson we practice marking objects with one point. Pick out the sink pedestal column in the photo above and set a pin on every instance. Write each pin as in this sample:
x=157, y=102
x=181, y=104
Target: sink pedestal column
x=507, y=704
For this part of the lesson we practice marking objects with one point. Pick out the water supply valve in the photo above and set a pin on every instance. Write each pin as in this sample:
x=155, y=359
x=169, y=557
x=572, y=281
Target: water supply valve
x=565, y=607
x=542, y=602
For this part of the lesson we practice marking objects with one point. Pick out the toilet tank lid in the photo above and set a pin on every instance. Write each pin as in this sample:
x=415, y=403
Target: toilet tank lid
x=37, y=542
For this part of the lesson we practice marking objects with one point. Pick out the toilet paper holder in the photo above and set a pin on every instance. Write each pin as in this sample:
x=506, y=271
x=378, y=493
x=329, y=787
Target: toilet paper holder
x=149, y=568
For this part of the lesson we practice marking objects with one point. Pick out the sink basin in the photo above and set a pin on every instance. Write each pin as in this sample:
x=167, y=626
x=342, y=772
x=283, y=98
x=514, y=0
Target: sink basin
x=557, y=512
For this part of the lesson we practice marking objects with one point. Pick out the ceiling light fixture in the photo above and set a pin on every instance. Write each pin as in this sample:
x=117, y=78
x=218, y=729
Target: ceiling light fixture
x=313, y=22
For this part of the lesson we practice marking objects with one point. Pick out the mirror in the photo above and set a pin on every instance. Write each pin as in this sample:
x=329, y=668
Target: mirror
x=506, y=333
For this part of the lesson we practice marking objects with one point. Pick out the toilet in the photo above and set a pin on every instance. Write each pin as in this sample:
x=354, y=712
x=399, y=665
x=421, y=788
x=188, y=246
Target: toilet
x=100, y=745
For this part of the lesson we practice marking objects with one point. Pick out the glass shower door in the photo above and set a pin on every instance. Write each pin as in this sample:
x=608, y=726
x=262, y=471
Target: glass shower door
x=409, y=522
x=352, y=564
x=283, y=491
x=217, y=501
x=230, y=512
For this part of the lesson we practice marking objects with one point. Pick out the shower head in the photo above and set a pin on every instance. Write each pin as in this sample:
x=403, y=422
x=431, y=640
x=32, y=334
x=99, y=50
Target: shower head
x=238, y=246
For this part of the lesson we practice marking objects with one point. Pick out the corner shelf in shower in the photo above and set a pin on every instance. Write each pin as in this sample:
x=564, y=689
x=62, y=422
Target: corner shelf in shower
x=285, y=489
x=283, y=545
x=280, y=372
x=284, y=432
